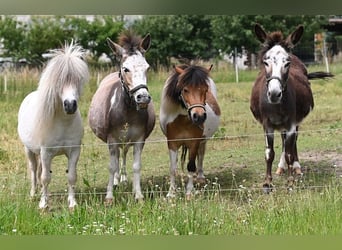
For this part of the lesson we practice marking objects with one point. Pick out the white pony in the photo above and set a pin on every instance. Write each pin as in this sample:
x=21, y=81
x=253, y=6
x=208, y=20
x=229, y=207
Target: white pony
x=49, y=121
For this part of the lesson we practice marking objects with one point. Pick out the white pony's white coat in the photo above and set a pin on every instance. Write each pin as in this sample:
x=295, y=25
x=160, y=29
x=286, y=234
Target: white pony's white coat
x=49, y=122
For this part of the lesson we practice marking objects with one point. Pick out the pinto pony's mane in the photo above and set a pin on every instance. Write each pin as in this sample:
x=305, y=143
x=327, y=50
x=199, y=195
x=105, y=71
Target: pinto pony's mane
x=67, y=67
x=130, y=41
x=193, y=76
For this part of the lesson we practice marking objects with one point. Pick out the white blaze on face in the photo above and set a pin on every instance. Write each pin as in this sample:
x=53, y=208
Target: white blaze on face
x=69, y=93
x=136, y=74
x=276, y=63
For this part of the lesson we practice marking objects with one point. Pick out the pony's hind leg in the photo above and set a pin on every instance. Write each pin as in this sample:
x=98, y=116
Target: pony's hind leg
x=282, y=162
x=296, y=166
x=123, y=171
x=72, y=176
x=290, y=152
x=193, y=150
x=33, y=163
x=200, y=158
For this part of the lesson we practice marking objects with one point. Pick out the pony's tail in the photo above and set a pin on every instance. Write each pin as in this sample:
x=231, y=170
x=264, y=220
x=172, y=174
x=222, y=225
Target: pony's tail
x=319, y=75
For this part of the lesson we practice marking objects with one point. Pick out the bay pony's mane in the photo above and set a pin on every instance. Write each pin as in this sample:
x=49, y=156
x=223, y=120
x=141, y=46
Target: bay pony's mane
x=193, y=76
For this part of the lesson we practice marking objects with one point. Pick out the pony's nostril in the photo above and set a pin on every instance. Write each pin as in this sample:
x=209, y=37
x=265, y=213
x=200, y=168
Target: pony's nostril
x=73, y=104
x=279, y=95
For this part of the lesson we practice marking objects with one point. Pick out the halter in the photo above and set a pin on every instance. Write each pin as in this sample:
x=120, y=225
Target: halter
x=190, y=107
x=282, y=82
x=130, y=92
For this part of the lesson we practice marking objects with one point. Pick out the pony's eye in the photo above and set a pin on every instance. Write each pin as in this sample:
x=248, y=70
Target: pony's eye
x=287, y=64
x=185, y=90
x=265, y=63
x=125, y=70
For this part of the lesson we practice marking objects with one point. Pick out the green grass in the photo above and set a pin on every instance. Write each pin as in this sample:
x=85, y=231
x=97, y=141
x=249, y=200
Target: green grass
x=231, y=202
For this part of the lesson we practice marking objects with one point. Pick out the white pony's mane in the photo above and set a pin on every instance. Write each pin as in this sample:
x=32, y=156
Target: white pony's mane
x=66, y=67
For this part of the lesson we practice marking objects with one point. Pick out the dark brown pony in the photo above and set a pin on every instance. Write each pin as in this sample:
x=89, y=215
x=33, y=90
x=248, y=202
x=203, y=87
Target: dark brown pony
x=189, y=114
x=281, y=98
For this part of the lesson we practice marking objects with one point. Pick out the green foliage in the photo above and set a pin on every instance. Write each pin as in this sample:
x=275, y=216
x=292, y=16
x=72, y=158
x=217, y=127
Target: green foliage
x=92, y=35
x=43, y=33
x=231, y=32
x=185, y=37
x=13, y=35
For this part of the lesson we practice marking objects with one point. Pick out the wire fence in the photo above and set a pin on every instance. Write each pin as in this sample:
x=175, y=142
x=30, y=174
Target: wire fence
x=227, y=160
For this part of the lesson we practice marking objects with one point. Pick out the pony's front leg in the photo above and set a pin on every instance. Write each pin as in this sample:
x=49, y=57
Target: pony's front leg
x=72, y=176
x=173, y=167
x=269, y=157
x=33, y=165
x=114, y=154
x=137, y=150
x=46, y=158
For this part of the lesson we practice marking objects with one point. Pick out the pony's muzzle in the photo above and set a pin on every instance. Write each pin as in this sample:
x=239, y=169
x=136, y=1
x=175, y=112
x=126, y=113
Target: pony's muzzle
x=143, y=100
x=70, y=106
x=198, y=116
x=274, y=96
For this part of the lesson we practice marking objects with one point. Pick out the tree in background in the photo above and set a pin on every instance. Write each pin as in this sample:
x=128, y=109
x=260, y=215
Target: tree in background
x=186, y=37
x=32, y=39
x=92, y=35
x=12, y=35
x=230, y=32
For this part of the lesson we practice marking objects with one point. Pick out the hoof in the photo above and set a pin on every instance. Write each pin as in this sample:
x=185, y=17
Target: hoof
x=267, y=188
x=140, y=201
x=280, y=171
x=200, y=180
x=188, y=197
x=298, y=171
x=290, y=181
x=108, y=202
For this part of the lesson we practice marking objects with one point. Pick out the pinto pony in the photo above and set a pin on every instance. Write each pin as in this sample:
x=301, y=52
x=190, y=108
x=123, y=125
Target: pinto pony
x=189, y=114
x=49, y=121
x=121, y=113
x=281, y=98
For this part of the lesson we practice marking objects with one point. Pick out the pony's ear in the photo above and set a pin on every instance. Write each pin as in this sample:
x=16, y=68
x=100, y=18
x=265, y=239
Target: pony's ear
x=116, y=48
x=179, y=70
x=211, y=66
x=146, y=43
x=260, y=33
x=295, y=36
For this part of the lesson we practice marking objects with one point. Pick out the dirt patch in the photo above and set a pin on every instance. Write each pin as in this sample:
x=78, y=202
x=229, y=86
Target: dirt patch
x=327, y=159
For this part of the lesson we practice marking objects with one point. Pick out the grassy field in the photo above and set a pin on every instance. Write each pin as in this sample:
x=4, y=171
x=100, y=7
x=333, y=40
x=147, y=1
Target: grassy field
x=230, y=203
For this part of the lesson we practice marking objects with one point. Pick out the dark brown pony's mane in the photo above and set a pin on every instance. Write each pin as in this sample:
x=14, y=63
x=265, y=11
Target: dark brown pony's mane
x=130, y=41
x=193, y=76
x=274, y=38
